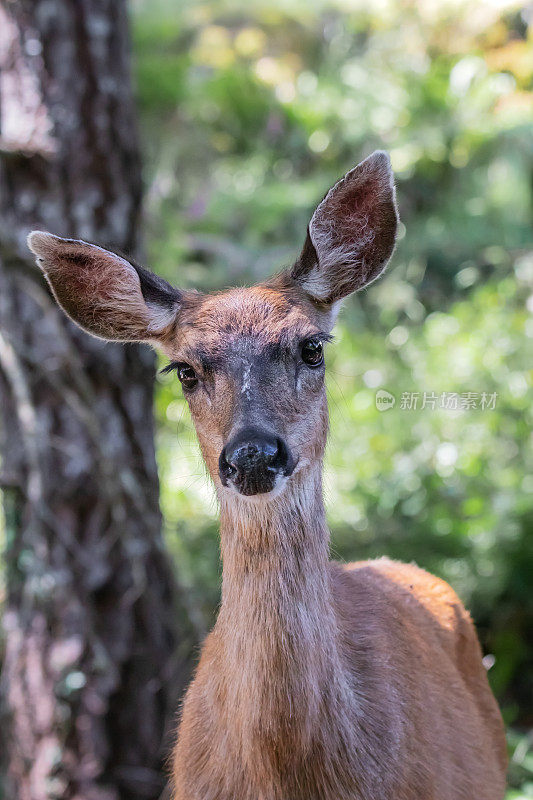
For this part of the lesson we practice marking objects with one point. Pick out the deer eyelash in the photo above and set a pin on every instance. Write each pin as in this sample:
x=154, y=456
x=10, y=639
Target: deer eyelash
x=323, y=337
x=169, y=368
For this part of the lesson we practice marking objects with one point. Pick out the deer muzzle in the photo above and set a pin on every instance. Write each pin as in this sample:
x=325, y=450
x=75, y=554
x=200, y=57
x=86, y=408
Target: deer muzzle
x=254, y=461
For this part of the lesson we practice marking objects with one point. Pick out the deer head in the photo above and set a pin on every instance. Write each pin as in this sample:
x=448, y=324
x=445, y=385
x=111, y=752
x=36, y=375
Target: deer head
x=250, y=360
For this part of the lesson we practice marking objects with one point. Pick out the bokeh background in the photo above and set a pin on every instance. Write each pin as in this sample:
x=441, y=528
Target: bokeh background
x=248, y=113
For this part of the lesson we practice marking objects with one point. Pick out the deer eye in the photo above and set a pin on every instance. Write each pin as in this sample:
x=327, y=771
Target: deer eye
x=313, y=352
x=187, y=376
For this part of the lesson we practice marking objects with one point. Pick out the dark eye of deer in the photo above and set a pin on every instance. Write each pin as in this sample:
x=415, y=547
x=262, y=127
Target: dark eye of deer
x=187, y=376
x=313, y=353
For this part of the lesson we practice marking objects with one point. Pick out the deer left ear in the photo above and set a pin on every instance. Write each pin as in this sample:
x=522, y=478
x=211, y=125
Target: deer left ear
x=102, y=292
x=351, y=234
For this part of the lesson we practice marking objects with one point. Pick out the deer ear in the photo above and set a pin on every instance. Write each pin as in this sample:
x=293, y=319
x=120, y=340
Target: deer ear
x=103, y=293
x=351, y=234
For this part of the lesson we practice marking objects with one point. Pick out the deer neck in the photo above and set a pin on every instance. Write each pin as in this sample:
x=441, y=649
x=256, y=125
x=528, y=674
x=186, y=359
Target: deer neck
x=276, y=624
x=275, y=554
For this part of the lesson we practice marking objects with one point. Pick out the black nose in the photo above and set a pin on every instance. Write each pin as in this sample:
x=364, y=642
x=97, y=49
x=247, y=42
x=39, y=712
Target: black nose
x=252, y=461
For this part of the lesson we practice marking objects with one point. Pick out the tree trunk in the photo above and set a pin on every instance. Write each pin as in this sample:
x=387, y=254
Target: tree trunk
x=96, y=643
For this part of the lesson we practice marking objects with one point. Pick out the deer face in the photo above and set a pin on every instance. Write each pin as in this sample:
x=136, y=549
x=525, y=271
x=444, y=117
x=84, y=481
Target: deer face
x=252, y=368
x=251, y=361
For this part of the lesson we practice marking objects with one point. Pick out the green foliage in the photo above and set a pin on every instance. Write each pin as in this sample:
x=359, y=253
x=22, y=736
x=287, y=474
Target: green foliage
x=520, y=766
x=449, y=489
x=249, y=113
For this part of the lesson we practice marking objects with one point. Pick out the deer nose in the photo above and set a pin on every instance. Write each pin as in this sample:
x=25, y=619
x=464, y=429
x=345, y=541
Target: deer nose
x=253, y=460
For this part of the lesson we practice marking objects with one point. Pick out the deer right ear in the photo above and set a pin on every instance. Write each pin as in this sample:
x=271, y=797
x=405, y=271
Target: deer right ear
x=351, y=234
x=103, y=293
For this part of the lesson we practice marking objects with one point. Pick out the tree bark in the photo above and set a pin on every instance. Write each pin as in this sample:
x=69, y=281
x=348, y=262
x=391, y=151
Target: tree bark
x=96, y=642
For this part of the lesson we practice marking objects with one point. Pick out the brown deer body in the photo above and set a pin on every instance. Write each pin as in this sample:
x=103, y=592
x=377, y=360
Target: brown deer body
x=318, y=681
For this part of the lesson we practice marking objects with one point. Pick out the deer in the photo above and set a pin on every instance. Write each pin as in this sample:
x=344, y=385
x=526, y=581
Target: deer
x=319, y=680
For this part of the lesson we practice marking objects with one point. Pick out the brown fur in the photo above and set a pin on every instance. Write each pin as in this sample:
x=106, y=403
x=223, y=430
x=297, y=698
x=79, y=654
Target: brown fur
x=318, y=681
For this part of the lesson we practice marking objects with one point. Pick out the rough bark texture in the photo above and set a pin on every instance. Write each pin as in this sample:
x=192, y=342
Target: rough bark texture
x=92, y=666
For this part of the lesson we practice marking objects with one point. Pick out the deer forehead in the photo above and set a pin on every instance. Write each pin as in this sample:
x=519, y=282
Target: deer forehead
x=242, y=323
